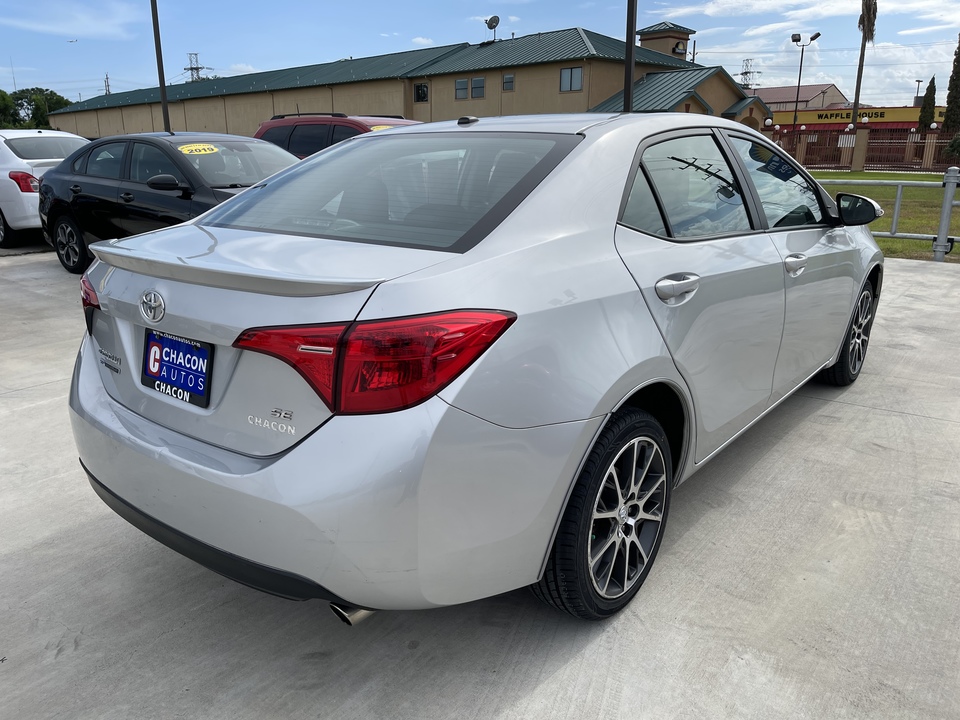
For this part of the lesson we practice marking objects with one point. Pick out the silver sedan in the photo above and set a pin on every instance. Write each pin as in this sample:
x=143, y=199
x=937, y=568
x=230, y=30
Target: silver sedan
x=443, y=362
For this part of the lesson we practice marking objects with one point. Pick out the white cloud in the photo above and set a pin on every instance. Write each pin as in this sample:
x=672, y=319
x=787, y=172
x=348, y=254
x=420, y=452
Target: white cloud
x=422, y=41
x=771, y=29
x=99, y=19
x=387, y=35
x=513, y=19
x=241, y=69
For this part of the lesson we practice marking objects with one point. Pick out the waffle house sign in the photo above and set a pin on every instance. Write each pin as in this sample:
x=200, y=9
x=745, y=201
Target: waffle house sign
x=889, y=117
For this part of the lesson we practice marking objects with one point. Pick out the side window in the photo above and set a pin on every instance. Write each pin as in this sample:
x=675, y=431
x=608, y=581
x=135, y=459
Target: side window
x=788, y=200
x=641, y=211
x=107, y=160
x=700, y=196
x=421, y=92
x=508, y=83
x=342, y=132
x=476, y=87
x=461, y=90
x=78, y=164
x=308, y=139
x=148, y=161
x=277, y=135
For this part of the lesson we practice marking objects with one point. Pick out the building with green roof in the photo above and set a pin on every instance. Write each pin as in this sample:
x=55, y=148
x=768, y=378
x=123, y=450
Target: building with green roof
x=571, y=70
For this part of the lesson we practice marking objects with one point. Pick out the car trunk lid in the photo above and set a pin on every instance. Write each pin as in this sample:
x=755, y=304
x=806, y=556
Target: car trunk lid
x=212, y=284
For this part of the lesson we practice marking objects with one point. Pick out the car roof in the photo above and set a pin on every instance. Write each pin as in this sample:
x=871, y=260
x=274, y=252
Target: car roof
x=32, y=132
x=576, y=123
x=178, y=137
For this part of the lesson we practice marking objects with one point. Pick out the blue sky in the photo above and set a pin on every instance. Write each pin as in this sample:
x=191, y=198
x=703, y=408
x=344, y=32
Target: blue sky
x=69, y=45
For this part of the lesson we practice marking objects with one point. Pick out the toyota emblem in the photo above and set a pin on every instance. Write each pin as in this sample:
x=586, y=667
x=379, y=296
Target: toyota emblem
x=151, y=306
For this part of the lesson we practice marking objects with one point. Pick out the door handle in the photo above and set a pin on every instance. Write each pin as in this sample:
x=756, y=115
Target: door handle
x=75, y=189
x=668, y=288
x=126, y=197
x=795, y=263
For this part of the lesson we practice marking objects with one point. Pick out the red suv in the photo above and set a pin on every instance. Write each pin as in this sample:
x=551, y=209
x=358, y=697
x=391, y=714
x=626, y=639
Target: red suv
x=306, y=133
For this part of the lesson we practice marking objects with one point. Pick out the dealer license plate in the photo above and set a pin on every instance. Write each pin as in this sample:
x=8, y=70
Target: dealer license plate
x=177, y=367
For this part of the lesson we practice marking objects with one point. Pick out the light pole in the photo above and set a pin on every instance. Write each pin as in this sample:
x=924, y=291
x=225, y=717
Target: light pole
x=796, y=39
x=163, y=88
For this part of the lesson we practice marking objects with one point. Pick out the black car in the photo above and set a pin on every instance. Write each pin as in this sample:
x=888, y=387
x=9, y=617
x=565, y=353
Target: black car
x=130, y=184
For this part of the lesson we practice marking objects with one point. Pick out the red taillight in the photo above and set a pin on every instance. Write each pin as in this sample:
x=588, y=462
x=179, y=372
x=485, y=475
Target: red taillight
x=89, y=300
x=88, y=296
x=393, y=364
x=382, y=365
x=312, y=351
x=25, y=181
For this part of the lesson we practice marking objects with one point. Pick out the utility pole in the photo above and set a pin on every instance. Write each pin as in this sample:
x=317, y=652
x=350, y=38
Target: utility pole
x=748, y=76
x=163, y=85
x=106, y=83
x=630, y=54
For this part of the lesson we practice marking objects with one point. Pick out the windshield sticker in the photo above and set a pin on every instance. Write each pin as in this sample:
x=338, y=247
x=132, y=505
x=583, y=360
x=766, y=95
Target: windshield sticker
x=198, y=149
x=374, y=128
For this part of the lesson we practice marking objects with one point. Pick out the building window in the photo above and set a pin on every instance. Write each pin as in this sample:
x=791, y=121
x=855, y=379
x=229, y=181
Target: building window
x=461, y=90
x=508, y=83
x=571, y=79
x=476, y=88
x=420, y=93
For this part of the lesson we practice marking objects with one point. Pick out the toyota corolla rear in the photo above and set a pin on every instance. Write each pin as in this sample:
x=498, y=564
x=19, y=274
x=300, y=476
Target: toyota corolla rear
x=271, y=389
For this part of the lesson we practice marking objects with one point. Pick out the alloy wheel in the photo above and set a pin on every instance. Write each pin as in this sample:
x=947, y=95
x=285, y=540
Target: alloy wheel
x=627, y=518
x=859, y=329
x=68, y=244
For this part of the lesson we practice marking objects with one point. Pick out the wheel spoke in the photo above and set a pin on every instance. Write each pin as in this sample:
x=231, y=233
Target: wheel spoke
x=613, y=563
x=606, y=546
x=635, y=540
x=651, y=491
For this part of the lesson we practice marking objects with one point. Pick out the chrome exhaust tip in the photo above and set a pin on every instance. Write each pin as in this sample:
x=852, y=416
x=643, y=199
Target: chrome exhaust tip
x=350, y=615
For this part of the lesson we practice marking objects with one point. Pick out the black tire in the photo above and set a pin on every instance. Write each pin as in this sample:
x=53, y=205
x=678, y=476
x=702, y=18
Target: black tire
x=572, y=582
x=70, y=246
x=8, y=237
x=854, y=351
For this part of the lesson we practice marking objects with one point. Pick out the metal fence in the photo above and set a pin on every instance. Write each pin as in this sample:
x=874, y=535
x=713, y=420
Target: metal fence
x=894, y=149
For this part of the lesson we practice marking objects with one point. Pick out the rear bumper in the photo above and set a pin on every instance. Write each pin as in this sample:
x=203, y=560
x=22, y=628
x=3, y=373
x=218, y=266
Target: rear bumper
x=246, y=572
x=20, y=210
x=421, y=508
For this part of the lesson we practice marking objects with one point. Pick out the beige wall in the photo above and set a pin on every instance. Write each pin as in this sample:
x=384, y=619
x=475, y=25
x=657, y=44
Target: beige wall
x=718, y=93
x=205, y=115
x=244, y=113
x=137, y=118
x=110, y=121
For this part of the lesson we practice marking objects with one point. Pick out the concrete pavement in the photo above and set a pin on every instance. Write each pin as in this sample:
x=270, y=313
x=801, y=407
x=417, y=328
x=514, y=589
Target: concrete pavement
x=811, y=571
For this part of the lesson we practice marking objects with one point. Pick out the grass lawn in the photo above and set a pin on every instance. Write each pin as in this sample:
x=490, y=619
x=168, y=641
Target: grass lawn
x=919, y=210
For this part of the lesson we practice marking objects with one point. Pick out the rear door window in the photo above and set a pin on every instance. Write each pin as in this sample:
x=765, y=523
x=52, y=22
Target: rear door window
x=278, y=135
x=700, y=195
x=434, y=191
x=343, y=132
x=106, y=161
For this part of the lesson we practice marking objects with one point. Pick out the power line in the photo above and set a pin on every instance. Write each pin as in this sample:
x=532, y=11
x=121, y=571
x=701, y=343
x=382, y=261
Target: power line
x=823, y=50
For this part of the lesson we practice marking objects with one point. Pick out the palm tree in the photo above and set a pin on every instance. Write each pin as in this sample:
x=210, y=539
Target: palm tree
x=867, y=25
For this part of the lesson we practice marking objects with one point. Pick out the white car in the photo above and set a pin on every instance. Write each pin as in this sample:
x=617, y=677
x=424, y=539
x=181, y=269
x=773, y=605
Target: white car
x=24, y=156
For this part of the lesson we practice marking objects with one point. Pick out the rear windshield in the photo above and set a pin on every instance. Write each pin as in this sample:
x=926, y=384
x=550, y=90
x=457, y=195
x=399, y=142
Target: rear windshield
x=235, y=163
x=438, y=191
x=48, y=147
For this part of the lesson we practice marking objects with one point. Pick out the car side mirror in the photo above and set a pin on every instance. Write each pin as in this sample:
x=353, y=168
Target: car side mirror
x=857, y=210
x=165, y=182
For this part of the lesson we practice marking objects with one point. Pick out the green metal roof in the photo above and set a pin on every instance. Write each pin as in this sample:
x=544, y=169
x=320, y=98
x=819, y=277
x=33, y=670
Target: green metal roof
x=556, y=46
x=378, y=67
x=666, y=27
x=661, y=91
x=741, y=105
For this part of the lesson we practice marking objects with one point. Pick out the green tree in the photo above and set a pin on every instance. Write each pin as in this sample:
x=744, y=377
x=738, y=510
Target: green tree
x=8, y=111
x=34, y=104
x=867, y=25
x=951, y=119
x=929, y=106
x=953, y=147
